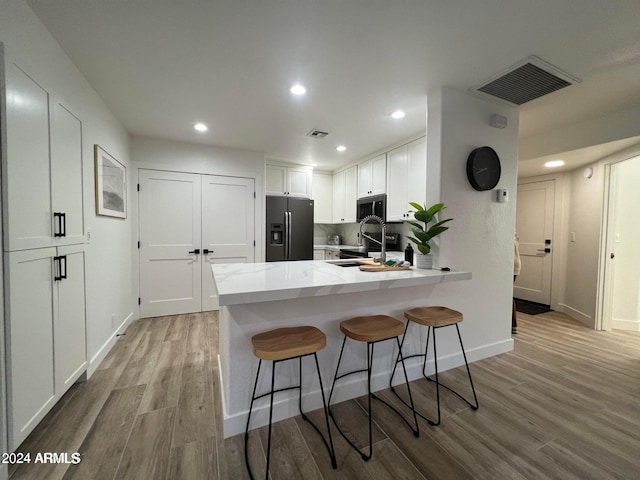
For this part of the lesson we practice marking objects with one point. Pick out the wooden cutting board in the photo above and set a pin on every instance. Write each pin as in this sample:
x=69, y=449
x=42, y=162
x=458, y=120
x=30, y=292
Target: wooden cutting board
x=366, y=261
x=381, y=268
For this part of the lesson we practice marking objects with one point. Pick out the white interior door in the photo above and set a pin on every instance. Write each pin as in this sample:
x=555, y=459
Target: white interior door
x=534, y=226
x=170, y=223
x=227, y=228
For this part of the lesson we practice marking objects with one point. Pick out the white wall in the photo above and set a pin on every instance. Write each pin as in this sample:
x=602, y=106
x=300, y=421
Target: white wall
x=615, y=126
x=3, y=392
x=626, y=275
x=578, y=263
x=480, y=238
x=109, y=282
x=152, y=153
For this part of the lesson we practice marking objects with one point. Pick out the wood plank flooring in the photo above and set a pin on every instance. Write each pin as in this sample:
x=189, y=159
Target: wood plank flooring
x=565, y=404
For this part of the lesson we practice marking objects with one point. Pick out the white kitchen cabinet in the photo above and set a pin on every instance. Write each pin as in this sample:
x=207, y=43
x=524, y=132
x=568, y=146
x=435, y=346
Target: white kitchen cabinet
x=322, y=197
x=46, y=347
x=372, y=176
x=344, y=195
x=44, y=162
x=293, y=181
x=318, y=253
x=406, y=179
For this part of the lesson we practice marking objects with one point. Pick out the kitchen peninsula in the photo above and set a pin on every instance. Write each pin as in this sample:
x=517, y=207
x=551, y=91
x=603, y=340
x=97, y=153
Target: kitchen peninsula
x=256, y=297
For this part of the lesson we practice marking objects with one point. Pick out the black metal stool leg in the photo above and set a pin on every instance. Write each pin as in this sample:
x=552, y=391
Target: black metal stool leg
x=464, y=355
x=369, y=362
x=393, y=372
x=246, y=430
x=435, y=361
x=273, y=381
x=335, y=377
x=416, y=432
x=332, y=451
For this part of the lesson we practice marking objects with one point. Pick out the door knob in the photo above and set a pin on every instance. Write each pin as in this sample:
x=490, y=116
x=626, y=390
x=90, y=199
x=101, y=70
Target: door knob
x=196, y=251
x=613, y=255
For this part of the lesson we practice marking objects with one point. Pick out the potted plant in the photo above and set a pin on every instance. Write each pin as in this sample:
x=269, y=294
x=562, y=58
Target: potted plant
x=423, y=233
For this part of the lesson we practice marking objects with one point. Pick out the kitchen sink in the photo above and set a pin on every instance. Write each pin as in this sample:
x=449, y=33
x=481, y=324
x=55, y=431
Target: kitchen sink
x=344, y=263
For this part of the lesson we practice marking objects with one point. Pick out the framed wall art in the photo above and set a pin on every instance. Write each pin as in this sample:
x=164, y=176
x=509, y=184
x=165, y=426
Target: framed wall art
x=111, y=185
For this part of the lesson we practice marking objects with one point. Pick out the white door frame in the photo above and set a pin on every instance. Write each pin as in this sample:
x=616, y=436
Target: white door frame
x=259, y=208
x=604, y=299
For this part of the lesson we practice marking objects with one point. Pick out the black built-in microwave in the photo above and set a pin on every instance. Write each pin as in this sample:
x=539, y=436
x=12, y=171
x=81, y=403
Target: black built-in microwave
x=374, y=205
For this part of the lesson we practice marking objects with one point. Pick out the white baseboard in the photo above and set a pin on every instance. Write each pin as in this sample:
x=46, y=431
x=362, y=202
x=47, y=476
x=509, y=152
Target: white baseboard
x=622, y=324
x=97, y=359
x=576, y=314
x=287, y=407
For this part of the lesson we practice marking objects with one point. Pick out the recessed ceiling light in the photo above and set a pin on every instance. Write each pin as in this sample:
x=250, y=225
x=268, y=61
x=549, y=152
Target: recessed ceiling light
x=341, y=148
x=201, y=127
x=298, y=89
x=554, y=163
x=398, y=114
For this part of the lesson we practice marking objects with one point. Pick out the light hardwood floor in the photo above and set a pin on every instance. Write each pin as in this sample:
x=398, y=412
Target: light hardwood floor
x=564, y=404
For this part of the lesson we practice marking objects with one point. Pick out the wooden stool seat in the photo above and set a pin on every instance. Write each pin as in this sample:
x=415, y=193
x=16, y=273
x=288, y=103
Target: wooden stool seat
x=283, y=343
x=372, y=328
x=434, y=316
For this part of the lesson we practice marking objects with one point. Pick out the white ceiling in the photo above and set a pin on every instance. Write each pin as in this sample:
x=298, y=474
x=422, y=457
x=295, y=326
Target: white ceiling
x=163, y=65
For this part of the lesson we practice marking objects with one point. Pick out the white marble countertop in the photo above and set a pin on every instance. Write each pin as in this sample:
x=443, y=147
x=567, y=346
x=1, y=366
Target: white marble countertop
x=242, y=283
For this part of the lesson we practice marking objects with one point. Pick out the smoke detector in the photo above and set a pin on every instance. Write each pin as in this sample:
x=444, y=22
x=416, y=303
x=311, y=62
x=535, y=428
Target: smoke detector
x=317, y=134
x=525, y=81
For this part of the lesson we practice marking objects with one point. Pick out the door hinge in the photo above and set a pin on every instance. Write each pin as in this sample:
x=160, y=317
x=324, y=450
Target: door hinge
x=254, y=194
x=138, y=187
x=138, y=243
x=139, y=301
x=254, y=243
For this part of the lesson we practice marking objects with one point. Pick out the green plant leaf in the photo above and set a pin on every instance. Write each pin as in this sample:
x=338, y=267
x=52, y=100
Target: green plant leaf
x=433, y=209
x=422, y=216
x=424, y=249
x=441, y=222
x=421, y=234
x=415, y=224
x=434, y=231
x=417, y=206
x=415, y=240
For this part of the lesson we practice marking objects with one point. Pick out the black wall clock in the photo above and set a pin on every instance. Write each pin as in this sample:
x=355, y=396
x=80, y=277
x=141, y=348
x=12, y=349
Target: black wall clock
x=483, y=168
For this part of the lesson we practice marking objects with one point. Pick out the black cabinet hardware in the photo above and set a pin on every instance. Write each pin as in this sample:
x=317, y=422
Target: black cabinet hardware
x=207, y=251
x=196, y=251
x=60, y=219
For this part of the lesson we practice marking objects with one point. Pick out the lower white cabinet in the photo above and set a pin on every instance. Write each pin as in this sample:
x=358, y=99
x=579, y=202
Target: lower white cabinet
x=46, y=334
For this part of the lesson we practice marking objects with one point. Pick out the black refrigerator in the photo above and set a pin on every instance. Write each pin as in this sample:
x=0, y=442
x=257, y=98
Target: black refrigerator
x=289, y=229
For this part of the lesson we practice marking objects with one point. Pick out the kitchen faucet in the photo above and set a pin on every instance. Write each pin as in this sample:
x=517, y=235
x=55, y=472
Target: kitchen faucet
x=382, y=241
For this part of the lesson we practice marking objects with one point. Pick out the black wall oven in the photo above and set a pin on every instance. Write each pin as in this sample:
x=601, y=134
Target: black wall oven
x=374, y=205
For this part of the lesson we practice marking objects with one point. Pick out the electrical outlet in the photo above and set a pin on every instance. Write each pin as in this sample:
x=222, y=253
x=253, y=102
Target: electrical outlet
x=572, y=236
x=113, y=321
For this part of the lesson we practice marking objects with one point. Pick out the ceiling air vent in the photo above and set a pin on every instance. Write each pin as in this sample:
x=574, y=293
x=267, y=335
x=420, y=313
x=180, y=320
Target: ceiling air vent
x=527, y=80
x=317, y=134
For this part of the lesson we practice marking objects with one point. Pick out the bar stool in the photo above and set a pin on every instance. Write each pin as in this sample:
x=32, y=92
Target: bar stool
x=371, y=329
x=277, y=346
x=434, y=318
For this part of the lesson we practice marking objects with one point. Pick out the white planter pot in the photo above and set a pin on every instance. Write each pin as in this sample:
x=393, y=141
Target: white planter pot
x=424, y=261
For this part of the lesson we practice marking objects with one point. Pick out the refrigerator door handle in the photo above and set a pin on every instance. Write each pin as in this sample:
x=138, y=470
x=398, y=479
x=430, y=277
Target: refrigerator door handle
x=286, y=235
x=289, y=236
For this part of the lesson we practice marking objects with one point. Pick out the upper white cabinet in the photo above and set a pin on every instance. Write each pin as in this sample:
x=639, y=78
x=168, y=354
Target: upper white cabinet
x=295, y=181
x=372, y=176
x=44, y=162
x=344, y=195
x=406, y=179
x=323, y=197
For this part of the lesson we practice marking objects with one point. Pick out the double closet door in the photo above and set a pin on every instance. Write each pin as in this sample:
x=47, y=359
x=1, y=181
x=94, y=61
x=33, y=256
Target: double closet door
x=187, y=222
